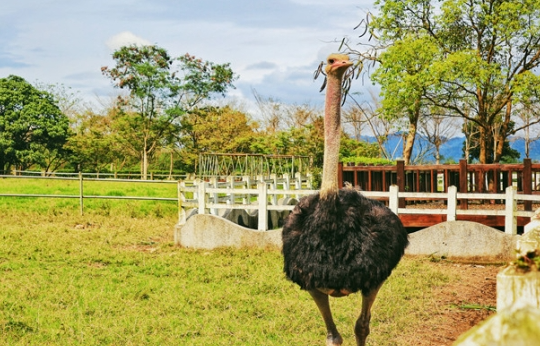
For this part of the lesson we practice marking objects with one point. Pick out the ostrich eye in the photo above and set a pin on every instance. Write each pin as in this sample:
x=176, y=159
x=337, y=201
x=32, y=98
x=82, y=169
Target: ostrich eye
x=331, y=61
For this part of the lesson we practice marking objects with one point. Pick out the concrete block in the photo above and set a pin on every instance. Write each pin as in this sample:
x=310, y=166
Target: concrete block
x=210, y=232
x=516, y=326
x=463, y=240
x=515, y=287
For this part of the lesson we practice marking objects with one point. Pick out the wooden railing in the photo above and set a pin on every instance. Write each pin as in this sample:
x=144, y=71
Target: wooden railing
x=468, y=178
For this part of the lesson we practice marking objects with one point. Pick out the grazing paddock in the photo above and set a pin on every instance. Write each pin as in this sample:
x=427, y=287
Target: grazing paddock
x=114, y=277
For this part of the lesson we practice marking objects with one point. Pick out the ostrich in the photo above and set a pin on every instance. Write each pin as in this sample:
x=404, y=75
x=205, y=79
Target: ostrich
x=337, y=242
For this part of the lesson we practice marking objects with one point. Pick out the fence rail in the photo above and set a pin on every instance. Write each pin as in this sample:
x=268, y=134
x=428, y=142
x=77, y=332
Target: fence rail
x=266, y=195
x=206, y=201
x=81, y=196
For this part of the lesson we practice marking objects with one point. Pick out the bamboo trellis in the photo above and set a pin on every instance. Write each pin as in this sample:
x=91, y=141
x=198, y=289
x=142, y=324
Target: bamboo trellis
x=215, y=164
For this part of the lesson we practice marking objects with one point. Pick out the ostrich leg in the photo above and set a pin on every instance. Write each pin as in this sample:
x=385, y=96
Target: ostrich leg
x=361, y=329
x=333, y=338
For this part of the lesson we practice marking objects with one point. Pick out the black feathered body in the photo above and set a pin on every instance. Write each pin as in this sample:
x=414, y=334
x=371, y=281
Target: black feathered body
x=345, y=241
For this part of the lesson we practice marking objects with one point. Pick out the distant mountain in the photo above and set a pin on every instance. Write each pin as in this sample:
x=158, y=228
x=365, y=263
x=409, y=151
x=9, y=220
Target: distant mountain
x=453, y=148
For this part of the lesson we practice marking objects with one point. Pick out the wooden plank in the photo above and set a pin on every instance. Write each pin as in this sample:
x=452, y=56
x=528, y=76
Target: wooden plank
x=527, y=182
x=415, y=220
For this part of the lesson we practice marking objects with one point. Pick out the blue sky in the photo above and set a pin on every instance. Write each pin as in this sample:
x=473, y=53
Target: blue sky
x=274, y=46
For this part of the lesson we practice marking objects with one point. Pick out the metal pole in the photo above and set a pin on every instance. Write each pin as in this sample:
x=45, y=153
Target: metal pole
x=81, y=194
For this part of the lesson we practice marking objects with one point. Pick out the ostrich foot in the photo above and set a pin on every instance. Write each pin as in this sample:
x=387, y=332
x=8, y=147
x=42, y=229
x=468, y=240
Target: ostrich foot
x=332, y=340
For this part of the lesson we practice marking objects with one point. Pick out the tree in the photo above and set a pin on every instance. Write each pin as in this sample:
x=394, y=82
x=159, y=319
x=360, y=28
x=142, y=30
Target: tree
x=437, y=130
x=161, y=90
x=381, y=127
x=214, y=129
x=403, y=83
x=33, y=130
x=94, y=144
x=483, y=54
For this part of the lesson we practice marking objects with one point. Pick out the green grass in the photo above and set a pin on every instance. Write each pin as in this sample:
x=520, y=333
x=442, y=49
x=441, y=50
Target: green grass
x=133, y=208
x=114, y=277
x=98, y=280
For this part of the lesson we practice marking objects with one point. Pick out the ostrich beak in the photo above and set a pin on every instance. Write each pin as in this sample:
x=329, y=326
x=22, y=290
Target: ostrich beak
x=338, y=62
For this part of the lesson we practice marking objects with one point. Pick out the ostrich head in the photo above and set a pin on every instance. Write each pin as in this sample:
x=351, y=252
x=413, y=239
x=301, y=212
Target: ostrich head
x=337, y=64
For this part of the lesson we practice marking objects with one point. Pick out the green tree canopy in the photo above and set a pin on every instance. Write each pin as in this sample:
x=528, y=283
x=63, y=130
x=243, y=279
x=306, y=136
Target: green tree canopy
x=33, y=130
x=161, y=90
x=473, y=58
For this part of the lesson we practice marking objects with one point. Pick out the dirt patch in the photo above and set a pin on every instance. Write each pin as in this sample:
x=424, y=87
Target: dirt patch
x=460, y=304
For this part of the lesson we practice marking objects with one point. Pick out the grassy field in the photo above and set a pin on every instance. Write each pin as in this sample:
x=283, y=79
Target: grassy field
x=114, y=277
x=134, y=208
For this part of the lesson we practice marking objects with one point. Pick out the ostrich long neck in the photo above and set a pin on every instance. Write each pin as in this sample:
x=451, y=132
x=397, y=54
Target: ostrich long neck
x=332, y=136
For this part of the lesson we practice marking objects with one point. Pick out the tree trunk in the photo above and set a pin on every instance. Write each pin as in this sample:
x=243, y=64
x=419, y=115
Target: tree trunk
x=411, y=135
x=482, y=157
x=501, y=137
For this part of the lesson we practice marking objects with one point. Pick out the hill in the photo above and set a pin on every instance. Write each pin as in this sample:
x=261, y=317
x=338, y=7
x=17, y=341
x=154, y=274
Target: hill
x=452, y=150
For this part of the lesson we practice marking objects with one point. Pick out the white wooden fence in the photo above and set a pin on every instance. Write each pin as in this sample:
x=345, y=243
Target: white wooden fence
x=211, y=197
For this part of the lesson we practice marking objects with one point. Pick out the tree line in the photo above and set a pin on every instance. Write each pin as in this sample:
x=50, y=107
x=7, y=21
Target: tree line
x=443, y=68
x=161, y=122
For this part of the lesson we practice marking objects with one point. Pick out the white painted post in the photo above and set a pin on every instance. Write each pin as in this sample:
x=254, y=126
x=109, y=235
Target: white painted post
x=273, y=176
x=201, y=191
x=215, y=197
x=232, y=196
x=309, y=181
x=298, y=183
x=247, y=185
x=393, y=199
x=263, y=203
x=452, y=204
x=181, y=199
x=196, y=182
x=510, y=219
x=287, y=183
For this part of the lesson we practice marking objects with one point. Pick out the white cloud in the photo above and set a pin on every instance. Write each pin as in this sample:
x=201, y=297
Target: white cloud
x=126, y=38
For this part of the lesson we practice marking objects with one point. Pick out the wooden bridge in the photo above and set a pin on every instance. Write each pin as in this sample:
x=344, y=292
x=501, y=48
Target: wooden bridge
x=483, y=184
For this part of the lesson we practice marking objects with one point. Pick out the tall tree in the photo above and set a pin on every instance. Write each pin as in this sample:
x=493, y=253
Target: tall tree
x=162, y=89
x=33, y=130
x=486, y=51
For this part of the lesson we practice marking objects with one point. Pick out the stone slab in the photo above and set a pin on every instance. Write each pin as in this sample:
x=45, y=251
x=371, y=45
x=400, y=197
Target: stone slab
x=463, y=240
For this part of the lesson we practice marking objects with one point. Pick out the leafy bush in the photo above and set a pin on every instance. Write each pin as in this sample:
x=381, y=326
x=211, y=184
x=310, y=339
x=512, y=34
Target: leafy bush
x=368, y=161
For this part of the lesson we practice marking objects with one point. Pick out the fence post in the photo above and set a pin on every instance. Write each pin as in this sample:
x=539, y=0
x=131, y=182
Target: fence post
x=400, y=179
x=214, y=183
x=263, y=205
x=527, y=183
x=247, y=185
x=81, y=193
x=393, y=199
x=298, y=183
x=452, y=203
x=201, y=192
x=510, y=220
x=181, y=200
x=287, y=184
x=274, y=187
x=463, y=183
